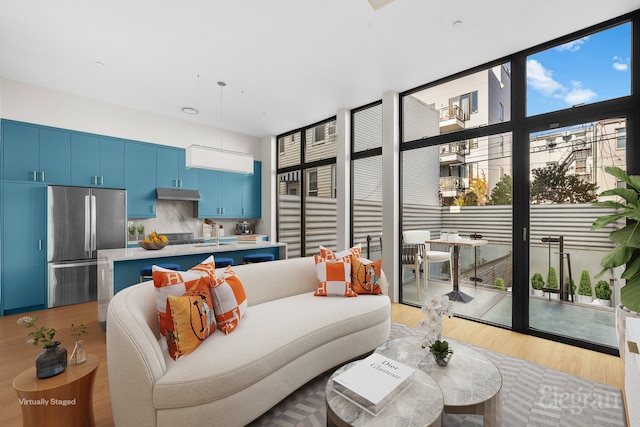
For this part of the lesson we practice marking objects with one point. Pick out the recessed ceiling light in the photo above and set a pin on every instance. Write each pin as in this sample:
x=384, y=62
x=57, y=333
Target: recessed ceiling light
x=190, y=110
x=100, y=64
x=457, y=23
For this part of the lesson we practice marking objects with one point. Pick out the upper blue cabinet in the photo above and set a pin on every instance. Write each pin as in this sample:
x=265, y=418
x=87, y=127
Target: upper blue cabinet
x=230, y=195
x=172, y=171
x=140, y=179
x=252, y=193
x=97, y=161
x=35, y=153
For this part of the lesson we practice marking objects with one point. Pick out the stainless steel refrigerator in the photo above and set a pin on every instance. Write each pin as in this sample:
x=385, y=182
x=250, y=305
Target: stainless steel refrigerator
x=81, y=221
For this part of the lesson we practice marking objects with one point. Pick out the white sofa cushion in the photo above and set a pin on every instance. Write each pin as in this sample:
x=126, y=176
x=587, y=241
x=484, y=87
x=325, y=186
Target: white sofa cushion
x=225, y=364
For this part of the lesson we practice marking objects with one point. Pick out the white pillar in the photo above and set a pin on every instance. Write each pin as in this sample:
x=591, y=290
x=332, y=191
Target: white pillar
x=343, y=177
x=267, y=225
x=390, y=190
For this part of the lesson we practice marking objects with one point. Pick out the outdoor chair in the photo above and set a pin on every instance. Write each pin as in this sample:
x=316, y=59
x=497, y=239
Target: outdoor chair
x=420, y=237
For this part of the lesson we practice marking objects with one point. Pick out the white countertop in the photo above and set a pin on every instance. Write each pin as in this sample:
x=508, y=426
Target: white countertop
x=108, y=257
x=125, y=254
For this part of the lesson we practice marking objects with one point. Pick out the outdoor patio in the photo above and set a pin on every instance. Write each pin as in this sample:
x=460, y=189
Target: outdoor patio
x=588, y=322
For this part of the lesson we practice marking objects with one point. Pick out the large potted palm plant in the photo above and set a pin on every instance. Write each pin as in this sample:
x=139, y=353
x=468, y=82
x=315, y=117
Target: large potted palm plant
x=627, y=244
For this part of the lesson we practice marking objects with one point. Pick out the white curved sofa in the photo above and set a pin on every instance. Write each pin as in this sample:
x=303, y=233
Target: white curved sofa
x=287, y=338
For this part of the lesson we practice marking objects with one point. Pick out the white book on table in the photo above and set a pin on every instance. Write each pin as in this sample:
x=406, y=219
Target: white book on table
x=374, y=382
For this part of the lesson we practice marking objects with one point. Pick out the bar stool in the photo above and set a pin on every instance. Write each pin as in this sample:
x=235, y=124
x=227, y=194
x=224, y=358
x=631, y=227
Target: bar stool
x=223, y=262
x=253, y=258
x=146, y=272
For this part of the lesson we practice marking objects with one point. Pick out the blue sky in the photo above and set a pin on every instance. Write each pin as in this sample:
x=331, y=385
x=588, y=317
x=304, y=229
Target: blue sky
x=587, y=70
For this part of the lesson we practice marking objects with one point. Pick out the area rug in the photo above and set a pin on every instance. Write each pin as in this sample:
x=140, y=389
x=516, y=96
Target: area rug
x=532, y=395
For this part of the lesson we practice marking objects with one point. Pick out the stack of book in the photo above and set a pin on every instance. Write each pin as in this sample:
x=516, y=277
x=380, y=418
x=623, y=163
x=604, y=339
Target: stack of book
x=373, y=383
x=247, y=238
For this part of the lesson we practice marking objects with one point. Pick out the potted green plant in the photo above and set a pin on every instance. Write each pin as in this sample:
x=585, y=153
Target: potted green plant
x=537, y=284
x=603, y=293
x=552, y=283
x=132, y=232
x=140, y=232
x=441, y=352
x=435, y=309
x=585, y=292
x=499, y=284
x=627, y=245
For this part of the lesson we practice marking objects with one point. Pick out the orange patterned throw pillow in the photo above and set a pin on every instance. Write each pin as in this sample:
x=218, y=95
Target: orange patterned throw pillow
x=334, y=277
x=366, y=276
x=229, y=300
x=190, y=319
x=176, y=283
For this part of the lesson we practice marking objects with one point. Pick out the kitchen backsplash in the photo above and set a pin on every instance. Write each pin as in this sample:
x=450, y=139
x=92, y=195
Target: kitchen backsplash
x=177, y=217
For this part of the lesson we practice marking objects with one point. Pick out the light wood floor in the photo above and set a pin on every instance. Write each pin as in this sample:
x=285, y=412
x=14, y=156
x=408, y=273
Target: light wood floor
x=16, y=356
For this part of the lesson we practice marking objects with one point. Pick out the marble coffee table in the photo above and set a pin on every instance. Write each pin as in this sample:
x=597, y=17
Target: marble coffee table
x=420, y=404
x=470, y=383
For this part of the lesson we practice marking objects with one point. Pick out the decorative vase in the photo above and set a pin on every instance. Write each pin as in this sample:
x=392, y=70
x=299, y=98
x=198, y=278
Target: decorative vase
x=442, y=361
x=52, y=361
x=78, y=355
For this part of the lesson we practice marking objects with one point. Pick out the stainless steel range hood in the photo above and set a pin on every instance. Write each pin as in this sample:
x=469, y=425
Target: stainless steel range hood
x=177, y=194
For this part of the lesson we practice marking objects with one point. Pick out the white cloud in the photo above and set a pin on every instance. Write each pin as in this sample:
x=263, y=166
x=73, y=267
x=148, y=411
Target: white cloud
x=579, y=95
x=541, y=79
x=573, y=46
x=620, y=64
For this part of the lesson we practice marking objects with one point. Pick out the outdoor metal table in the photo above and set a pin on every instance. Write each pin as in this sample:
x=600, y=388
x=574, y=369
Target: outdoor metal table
x=456, y=294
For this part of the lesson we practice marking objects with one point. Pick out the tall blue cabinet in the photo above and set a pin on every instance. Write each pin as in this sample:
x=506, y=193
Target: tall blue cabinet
x=24, y=247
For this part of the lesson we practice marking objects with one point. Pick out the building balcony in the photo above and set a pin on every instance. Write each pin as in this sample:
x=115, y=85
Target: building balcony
x=451, y=119
x=451, y=158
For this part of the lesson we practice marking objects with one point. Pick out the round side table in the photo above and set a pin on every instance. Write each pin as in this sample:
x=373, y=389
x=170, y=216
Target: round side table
x=62, y=400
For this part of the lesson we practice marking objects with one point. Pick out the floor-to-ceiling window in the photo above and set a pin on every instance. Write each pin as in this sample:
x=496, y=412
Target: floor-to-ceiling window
x=456, y=178
x=518, y=150
x=568, y=153
x=366, y=178
x=307, y=188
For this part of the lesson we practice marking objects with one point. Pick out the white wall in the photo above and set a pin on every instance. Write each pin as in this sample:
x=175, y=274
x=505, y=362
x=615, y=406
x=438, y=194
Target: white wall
x=34, y=104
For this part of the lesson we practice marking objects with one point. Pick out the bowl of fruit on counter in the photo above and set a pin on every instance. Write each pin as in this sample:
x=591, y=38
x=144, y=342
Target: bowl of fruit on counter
x=154, y=241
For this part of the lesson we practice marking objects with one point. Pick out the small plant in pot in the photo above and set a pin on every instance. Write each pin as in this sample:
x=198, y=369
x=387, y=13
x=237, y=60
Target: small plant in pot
x=441, y=352
x=585, y=292
x=552, y=282
x=537, y=284
x=499, y=285
x=603, y=293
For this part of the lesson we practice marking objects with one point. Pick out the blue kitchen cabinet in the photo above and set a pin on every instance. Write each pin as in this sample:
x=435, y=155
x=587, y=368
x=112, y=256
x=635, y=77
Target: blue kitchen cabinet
x=24, y=260
x=35, y=153
x=220, y=194
x=209, y=182
x=140, y=179
x=172, y=170
x=230, y=195
x=111, y=170
x=252, y=193
x=97, y=161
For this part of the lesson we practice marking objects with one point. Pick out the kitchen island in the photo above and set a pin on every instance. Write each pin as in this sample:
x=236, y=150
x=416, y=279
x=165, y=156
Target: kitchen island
x=120, y=268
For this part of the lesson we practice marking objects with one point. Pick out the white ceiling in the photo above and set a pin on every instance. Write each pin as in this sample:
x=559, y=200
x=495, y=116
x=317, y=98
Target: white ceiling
x=287, y=63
